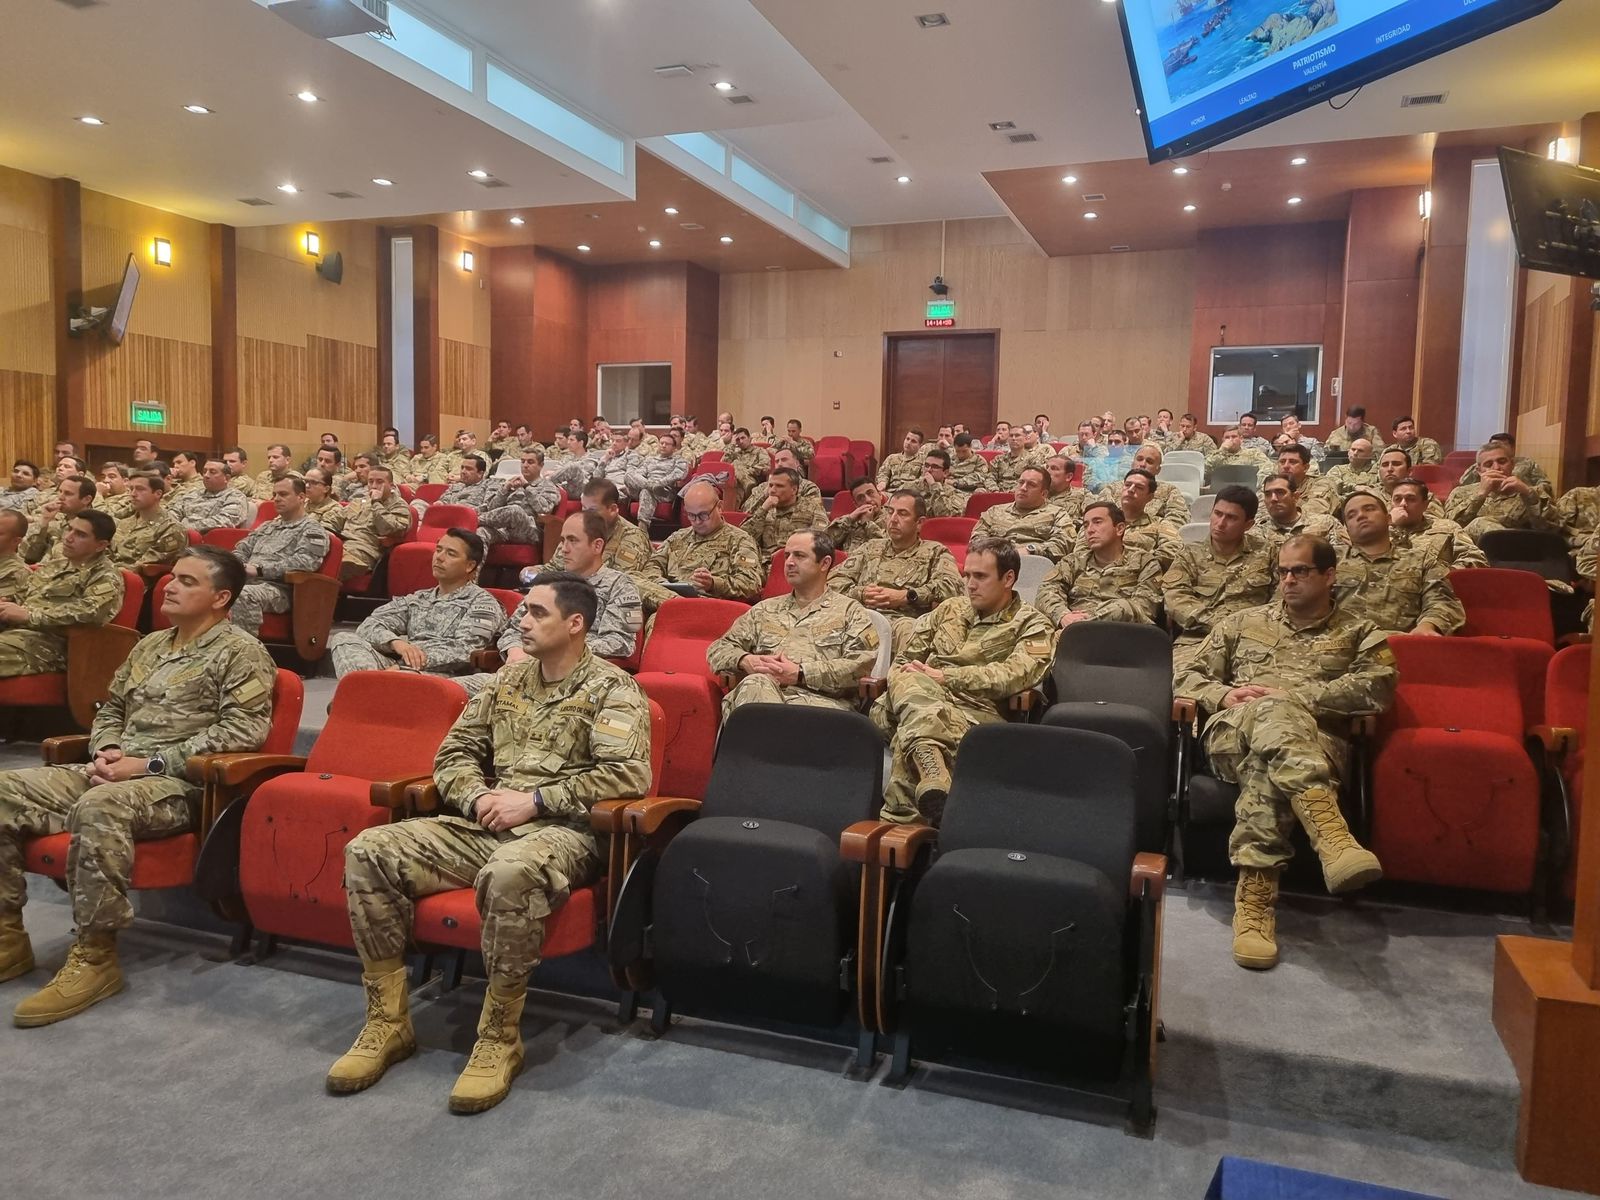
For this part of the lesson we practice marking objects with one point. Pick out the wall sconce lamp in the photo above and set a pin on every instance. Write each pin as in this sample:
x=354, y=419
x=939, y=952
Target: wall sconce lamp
x=313, y=243
x=1425, y=204
x=161, y=251
x=466, y=260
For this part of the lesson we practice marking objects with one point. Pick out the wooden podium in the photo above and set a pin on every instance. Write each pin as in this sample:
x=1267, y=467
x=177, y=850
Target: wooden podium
x=1547, y=1012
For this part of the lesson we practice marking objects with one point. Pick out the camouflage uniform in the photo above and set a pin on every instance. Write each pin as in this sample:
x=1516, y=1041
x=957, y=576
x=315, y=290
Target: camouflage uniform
x=473, y=495
x=1198, y=440
x=1478, y=514
x=326, y=511
x=749, y=468
x=1316, y=524
x=399, y=464
x=1317, y=497
x=1578, y=513
x=1201, y=587
x=1347, y=478
x=572, y=742
x=655, y=482
x=1166, y=504
x=808, y=491
x=1044, y=530
x=1262, y=447
x=1160, y=538
x=43, y=539
x=204, y=511
x=970, y=474
x=1009, y=466
x=275, y=549
x=245, y=485
x=942, y=499
x=1443, y=540
x=985, y=660
x=730, y=554
x=59, y=594
x=850, y=532
x=771, y=527
x=433, y=468
x=24, y=500
x=213, y=695
x=926, y=568
x=14, y=576
x=1245, y=456
x=506, y=445
x=446, y=628
x=1278, y=748
x=364, y=523
x=900, y=470
x=627, y=549
x=156, y=539
x=801, y=447
x=1128, y=589
x=119, y=508
x=1525, y=469
x=1398, y=589
x=1070, y=502
x=516, y=514
x=1341, y=438
x=177, y=488
x=265, y=480
x=1423, y=450
x=831, y=638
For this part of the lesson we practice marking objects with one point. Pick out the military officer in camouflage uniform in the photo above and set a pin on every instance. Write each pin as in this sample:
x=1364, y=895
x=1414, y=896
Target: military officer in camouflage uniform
x=327, y=442
x=811, y=646
x=428, y=465
x=714, y=554
x=111, y=496
x=502, y=441
x=515, y=511
x=280, y=465
x=14, y=573
x=1191, y=437
x=958, y=668
x=1233, y=453
x=1060, y=493
x=1167, y=504
x=239, y=477
x=851, y=530
x=783, y=511
x=1234, y=568
x=473, y=489
x=1394, y=467
x=1398, y=590
x=1360, y=473
x=392, y=456
x=1009, y=466
x=1142, y=529
x=213, y=505
x=653, y=481
x=366, y=521
x=200, y=687
x=968, y=471
x=1251, y=440
x=900, y=574
x=79, y=586
x=1525, y=469
x=319, y=498
x=1578, y=513
x=23, y=493
x=565, y=448
x=1412, y=526
x=1277, y=686
x=1353, y=428
x=797, y=444
x=628, y=547
x=809, y=493
x=1499, y=498
x=942, y=499
x=1102, y=579
x=74, y=496
x=1317, y=497
x=185, y=477
x=1284, y=518
x=291, y=541
x=1031, y=524
x=556, y=733
x=148, y=534
x=905, y=468
x=434, y=630
x=1421, y=449
x=749, y=462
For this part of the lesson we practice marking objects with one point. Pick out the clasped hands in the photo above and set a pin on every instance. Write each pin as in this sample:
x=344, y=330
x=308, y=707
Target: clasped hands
x=111, y=765
x=780, y=667
x=1249, y=692
x=504, y=809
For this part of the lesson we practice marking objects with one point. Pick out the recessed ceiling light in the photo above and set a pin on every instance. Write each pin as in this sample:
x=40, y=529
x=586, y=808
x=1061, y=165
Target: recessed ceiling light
x=1069, y=179
x=199, y=110
x=1298, y=160
x=517, y=221
x=478, y=173
x=655, y=244
x=1188, y=208
x=1294, y=199
x=726, y=240
x=582, y=249
x=932, y=21
x=722, y=85
x=382, y=182
x=87, y=120
x=671, y=212
x=903, y=179
x=288, y=187
x=1180, y=170
x=308, y=97
x=1091, y=216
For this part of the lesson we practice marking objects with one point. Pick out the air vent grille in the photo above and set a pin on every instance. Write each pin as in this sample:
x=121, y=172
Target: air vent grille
x=674, y=71
x=255, y=202
x=1018, y=139
x=741, y=99
x=1423, y=98
x=491, y=182
x=1121, y=246
x=1093, y=197
x=345, y=195
x=690, y=225
x=881, y=158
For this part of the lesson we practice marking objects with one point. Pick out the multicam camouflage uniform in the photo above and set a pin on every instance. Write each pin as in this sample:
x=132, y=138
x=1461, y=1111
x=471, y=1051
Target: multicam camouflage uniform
x=1525, y=469
x=808, y=491
x=730, y=554
x=850, y=532
x=1158, y=537
x=1398, y=589
x=900, y=470
x=771, y=527
x=1127, y=589
x=1009, y=466
x=1166, y=504
x=1316, y=524
x=1423, y=450
x=326, y=509
x=265, y=480
x=1045, y=530
x=1201, y=587
x=831, y=638
x=213, y=695
x=1245, y=456
x=43, y=539
x=275, y=549
x=970, y=474
x=654, y=481
x=515, y=514
x=14, y=576
x=573, y=742
x=1441, y=539
x=119, y=508
x=363, y=524
x=1578, y=513
x=749, y=468
x=433, y=468
x=245, y=485
x=1341, y=438
x=446, y=628
x=926, y=568
x=1198, y=440
x=1347, y=479
x=1282, y=748
x=1317, y=497
x=203, y=511
x=942, y=499
x=59, y=594
x=627, y=549
x=985, y=660
x=800, y=447
x=398, y=464
x=154, y=539
x=1478, y=514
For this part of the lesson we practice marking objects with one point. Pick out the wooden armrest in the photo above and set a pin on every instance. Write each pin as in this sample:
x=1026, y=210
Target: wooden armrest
x=649, y=813
x=898, y=847
x=1364, y=726
x=94, y=652
x=316, y=596
x=422, y=794
x=859, y=842
x=198, y=768
x=487, y=661
x=727, y=680
x=395, y=793
x=1556, y=739
x=1025, y=702
x=236, y=770
x=870, y=687
x=1148, y=868
x=606, y=816
x=154, y=570
x=1184, y=710
x=64, y=750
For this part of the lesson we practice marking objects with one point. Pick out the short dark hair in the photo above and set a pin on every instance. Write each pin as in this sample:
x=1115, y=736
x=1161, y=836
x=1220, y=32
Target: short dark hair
x=604, y=491
x=476, y=550
x=1396, y=450
x=774, y=420
x=287, y=453
x=741, y=429
x=1241, y=497
x=940, y=453
x=1401, y=420
x=1297, y=449
x=920, y=435
x=297, y=482
x=1148, y=476
x=239, y=450
x=1251, y=414
x=788, y=473
x=338, y=454
x=1509, y=439
x=81, y=464
x=822, y=543
x=1117, y=516
x=1190, y=417
x=1412, y=481
x=574, y=594
x=1323, y=556
x=963, y=438
x=224, y=569
x=189, y=454
x=155, y=479
x=102, y=523
x=855, y=483
x=389, y=429
x=86, y=487
x=23, y=462
x=379, y=469
x=1369, y=494
x=1044, y=476
x=919, y=501
x=1357, y=411
x=483, y=467
x=594, y=525
x=1277, y=475
x=1006, y=556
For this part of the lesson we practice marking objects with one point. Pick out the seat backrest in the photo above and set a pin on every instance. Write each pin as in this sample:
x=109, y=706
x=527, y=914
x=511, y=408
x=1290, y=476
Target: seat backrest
x=658, y=745
x=685, y=626
x=1435, y=474
x=1459, y=460
x=1542, y=552
x=833, y=445
x=288, y=700
x=411, y=568
x=334, y=559
x=980, y=502
x=1115, y=661
x=1173, y=472
x=885, y=632
x=1455, y=683
x=1200, y=510
x=776, y=584
x=990, y=455
x=952, y=531
x=1195, y=531
x=1228, y=474
x=1011, y=792
x=1501, y=602
x=127, y=615
x=386, y=725
x=843, y=502
x=1034, y=568
x=429, y=493
x=228, y=539
x=265, y=511
x=1193, y=458
x=817, y=767
x=509, y=466
x=441, y=517
x=509, y=600
x=1566, y=689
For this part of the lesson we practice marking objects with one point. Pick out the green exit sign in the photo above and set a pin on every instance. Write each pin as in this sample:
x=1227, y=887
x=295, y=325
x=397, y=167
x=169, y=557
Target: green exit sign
x=941, y=314
x=149, y=415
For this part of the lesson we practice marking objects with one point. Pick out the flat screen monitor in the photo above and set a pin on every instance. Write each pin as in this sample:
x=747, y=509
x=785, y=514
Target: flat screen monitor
x=1205, y=71
x=1555, y=213
x=118, y=324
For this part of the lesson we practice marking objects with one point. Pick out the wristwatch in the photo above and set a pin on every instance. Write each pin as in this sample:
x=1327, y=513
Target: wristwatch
x=155, y=765
x=911, y=595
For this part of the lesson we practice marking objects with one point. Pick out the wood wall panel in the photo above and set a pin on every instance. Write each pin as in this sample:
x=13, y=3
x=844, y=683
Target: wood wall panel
x=464, y=308
x=1383, y=263
x=173, y=302
x=29, y=430
x=464, y=374
x=341, y=381
x=272, y=391
x=512, y=274
x=27, y=334
x=561, y=369
x=149, y=368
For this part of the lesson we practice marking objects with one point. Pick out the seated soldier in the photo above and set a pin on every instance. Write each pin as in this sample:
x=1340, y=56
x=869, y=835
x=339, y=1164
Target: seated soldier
x=79, y=586
x=212, y=505
x=1191, y=436
x=808, y=492
x=14, y=573
x=1412, y=525
x=904, y=468
x=1525, y=469
x=111, y=495
x=1353, y=429
x=148, y=534
x=1290, y=434
x=471, y=489
x=554, y=734
x=502, y=441
x=240, y=480
x=1421, y=449
x=1284, y=518
x=280, y=465
x=434, y=630
x=809, y=647
x=796, y=442
x=514, y=512
x=23, y=493
x=900, y=574
x=1167, y=504
x=428, y=465
x=750, y=464
x=319, y=498
x=1399, y=590
x=1018, y=457
x=1578, y=514
x=391, y=455
x=851, y=530
x=968, y=471
x=654, y=479
x=942, y=499
x=1277, y=686
x=1143, y=529
x=1316, y=496
x=713, y=554
x=1251, y=440
x=1361, y=472
x=74, y=496
x=961, y=663
x=1233, y=453
x=1394, y=465
x=1233, y=569
x=366, y=521
x=1060, y=493
x=329, y=442
x=291, y=541
x=627, y=546
x=200, y=687
x=783, y=511
x=1499, y=498
x=1029, y=522
x=1102, y=579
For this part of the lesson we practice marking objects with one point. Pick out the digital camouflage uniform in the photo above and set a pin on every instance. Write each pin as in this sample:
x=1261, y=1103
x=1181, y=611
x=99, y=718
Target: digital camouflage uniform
x=730, y=554
x=654, y=481
x=446, y=628
x=203, y=511
x=576, y=741
x=900, y=470
x=985, y=660
x=1277, y=748
x=14, y=576
x=473, y=495
x=1127, y=589
x=363, y=524
x=771, y=527
x=1478, y=514
x=154, y=539
x=926, y=568
x=1341, y=438
x=515, y=514
x=1441, y=539
x=213, y=695
x=1045, y=530
x=850, y=532
x=275, y=549
x=23, y=500
x=1201, y=587
x=1398, y=589
x=832, y=639
x=627, y=549
x=59, y=594
x=970, y=474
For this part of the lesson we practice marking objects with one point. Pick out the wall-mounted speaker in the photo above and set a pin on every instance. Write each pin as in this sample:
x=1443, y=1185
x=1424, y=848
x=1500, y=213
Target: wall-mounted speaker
x=332, y=267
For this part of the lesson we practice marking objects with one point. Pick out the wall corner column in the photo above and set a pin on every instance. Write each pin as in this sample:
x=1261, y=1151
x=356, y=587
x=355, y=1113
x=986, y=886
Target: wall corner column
x=224, y=336
x=66, y=294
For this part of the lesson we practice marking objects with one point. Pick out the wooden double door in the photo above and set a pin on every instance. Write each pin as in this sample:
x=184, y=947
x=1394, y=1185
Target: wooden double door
x=938, y=379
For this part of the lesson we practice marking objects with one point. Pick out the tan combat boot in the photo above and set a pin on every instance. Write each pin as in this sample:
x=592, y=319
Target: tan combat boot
x=1346, y=866
x=1255, y=924
x=933, y=778
x=386, y=1038
x=497, y=1057
x=90, y=975
x=16, y=951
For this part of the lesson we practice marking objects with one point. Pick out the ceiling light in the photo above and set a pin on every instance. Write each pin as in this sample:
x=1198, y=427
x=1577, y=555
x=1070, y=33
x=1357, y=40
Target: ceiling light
x=582, y=249
x=1188, y=208
x=1091, y=216
x=478, y=173
x=1299, y=160
x=726, y=240
x=722, y=85
x=382, y=182
x=288, y=187
x=1425, y=204
x=1069, y=179
x=933, y=20
x=903, y=179
x=1294, y=199
x=466, y=260
x=199, y=110
x=308, y=97
x=313, y=244
x=671, y=212
x=1562, y=149
x=1180, y=170
x=518, y=221
x=161, y=251
x=87, y=120
x=655, y=244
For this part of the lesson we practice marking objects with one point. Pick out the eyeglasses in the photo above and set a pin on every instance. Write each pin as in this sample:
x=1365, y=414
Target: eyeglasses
x=1300, y=571
x=696, y=517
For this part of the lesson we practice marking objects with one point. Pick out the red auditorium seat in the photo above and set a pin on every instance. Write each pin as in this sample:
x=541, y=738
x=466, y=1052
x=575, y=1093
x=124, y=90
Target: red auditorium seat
x=833, y=445
x=864, y=456
x=294, y=816
x=990, y=455
x=980, y=502
x=362, y=585
x=407, y=492
x=429, y=493
x=1459, y=460
x=954, y=532
x=170, y=861
x=1441, y=480
x=410, y=568
x=225, y=538
x=314, y=595
x=673, y=672
x=1456, y=798
x=829, y=471
x=265, y=511
x=437, y=519
x=1512, y=607
x=777, y=584
x=1566, y=707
